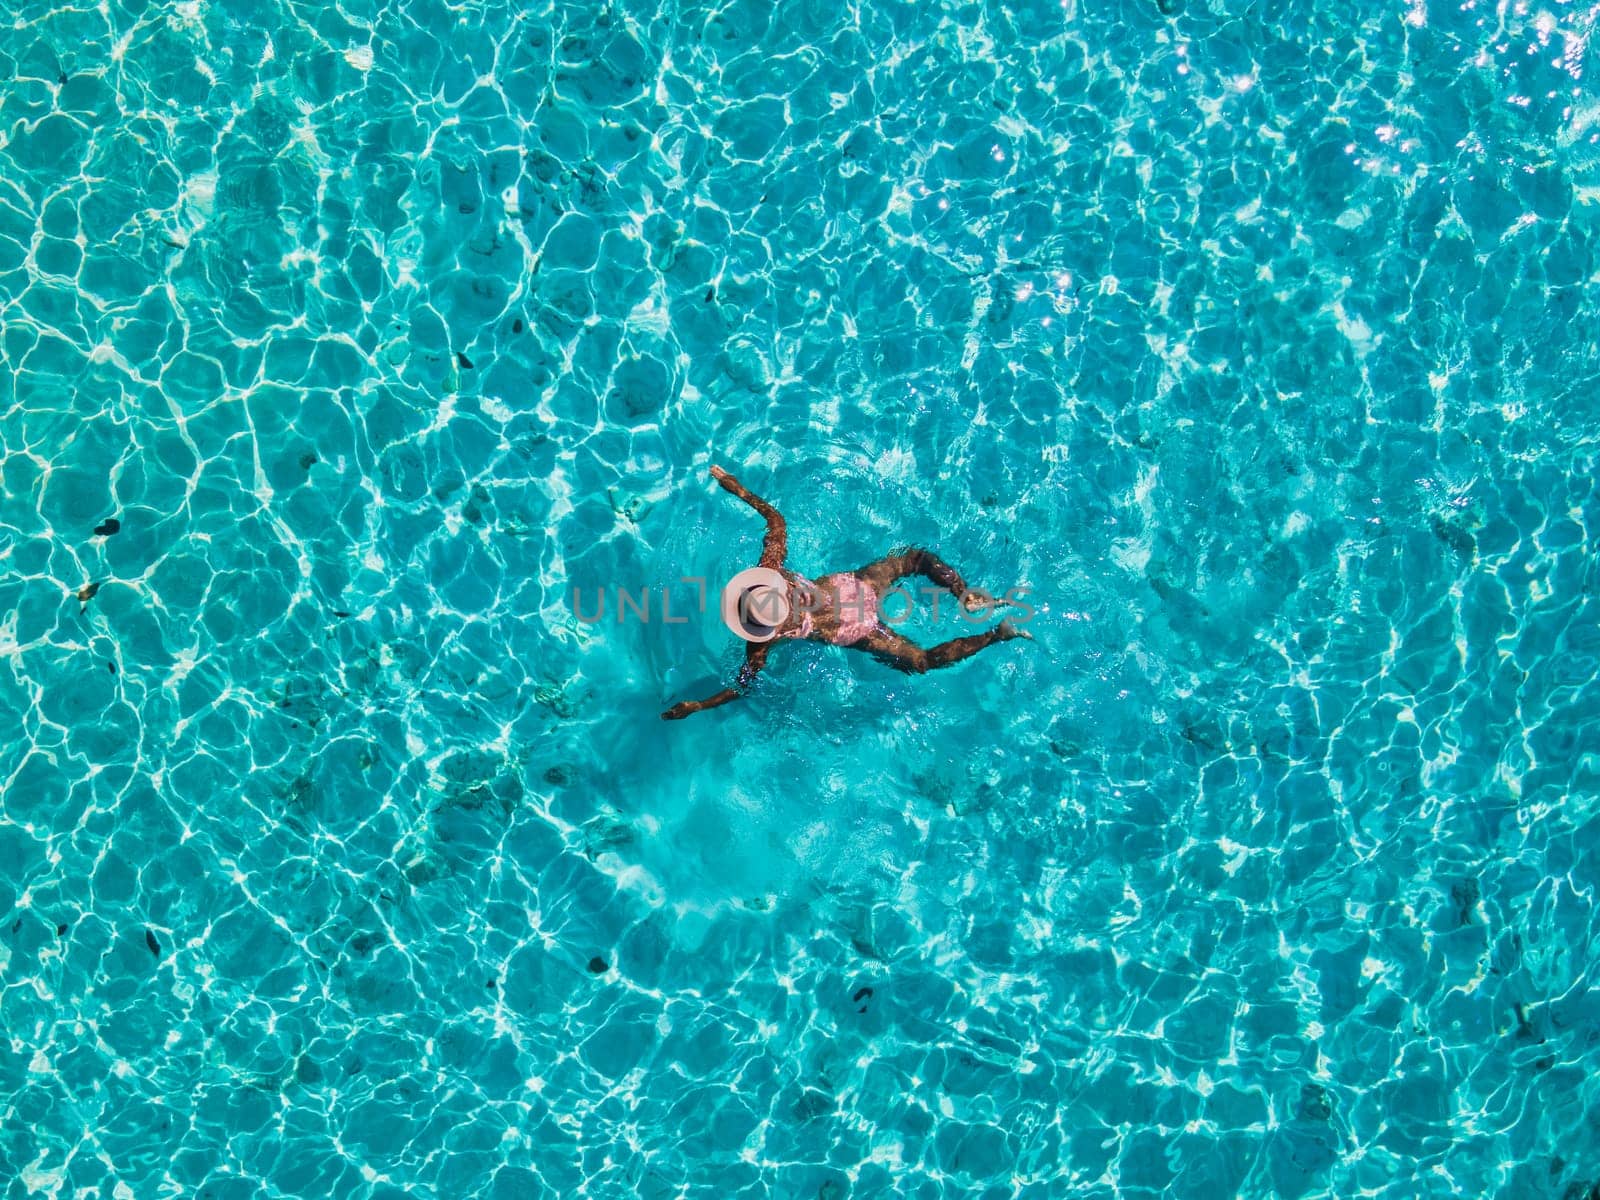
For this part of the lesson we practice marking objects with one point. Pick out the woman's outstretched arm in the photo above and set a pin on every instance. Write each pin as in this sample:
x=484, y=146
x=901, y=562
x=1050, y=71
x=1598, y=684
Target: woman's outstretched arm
x=755, y=657
x=776, y=547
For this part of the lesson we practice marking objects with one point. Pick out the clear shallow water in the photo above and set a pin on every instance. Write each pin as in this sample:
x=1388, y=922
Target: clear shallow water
x=1261, y=347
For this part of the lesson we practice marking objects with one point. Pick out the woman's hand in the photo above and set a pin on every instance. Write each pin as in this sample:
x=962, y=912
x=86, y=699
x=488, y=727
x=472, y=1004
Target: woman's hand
x=678, y=711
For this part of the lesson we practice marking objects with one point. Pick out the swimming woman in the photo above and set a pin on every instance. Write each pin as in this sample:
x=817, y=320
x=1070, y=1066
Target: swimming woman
x=842, y=609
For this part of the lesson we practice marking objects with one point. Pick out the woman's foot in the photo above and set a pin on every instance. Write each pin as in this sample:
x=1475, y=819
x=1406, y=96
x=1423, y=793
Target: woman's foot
x=1009, y=631
x=978, y=600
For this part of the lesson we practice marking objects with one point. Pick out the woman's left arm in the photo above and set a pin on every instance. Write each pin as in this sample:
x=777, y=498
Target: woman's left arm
x=775, y=548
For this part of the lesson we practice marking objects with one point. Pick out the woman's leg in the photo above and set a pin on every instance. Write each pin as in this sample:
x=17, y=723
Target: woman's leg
x=881, y=575
x=915, y=561
x=905, y=655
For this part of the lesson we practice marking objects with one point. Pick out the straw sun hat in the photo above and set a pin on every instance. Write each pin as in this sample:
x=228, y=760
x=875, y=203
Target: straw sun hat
x=755, y=604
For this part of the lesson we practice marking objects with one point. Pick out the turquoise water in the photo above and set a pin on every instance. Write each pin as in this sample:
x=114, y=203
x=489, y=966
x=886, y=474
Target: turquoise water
x=338, y=858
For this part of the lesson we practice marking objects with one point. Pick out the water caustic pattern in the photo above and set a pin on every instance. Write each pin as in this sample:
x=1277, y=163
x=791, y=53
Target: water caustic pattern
x=341, y=343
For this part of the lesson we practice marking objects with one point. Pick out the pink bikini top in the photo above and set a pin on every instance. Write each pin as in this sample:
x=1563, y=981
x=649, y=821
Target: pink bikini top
x=855, y=603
